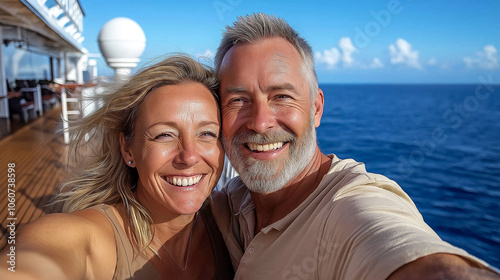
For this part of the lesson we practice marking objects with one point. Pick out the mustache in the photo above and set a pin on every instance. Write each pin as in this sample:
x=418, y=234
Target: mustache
x=277, y=135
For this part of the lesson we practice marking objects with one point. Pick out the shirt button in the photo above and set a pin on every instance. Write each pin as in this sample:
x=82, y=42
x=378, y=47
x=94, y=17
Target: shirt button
x=251, y=250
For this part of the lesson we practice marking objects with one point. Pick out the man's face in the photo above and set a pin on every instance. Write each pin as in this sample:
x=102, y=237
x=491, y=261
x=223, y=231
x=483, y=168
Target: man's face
x=268, y=118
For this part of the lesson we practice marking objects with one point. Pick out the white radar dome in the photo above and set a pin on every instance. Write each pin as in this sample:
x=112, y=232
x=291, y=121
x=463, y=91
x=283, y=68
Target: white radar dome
x=122, y=42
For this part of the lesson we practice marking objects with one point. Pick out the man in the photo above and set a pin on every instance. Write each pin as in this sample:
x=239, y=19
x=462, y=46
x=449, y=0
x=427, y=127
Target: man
x=295, y=212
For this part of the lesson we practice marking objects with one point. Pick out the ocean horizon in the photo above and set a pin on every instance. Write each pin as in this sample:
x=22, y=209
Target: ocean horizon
x=439, y=142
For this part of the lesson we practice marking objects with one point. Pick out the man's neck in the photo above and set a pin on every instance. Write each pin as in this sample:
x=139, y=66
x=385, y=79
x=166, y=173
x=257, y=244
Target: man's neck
x=272, y=207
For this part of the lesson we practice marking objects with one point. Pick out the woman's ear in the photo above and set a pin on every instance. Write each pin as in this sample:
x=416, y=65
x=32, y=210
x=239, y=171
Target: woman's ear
x=126, y=154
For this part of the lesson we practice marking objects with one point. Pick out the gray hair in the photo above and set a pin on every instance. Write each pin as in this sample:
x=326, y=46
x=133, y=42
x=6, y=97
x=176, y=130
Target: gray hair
x=253, y=28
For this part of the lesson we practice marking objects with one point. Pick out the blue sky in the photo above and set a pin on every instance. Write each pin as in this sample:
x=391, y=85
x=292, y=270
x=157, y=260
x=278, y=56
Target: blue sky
x=389, y=41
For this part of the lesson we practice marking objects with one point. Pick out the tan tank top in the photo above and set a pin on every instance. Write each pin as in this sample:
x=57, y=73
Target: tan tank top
x=130, y=265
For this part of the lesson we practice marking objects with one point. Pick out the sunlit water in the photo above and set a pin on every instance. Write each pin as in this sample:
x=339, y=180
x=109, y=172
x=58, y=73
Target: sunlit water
x=439, y=142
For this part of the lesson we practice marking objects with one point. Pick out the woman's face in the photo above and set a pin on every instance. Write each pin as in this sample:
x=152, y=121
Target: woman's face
x=176, y=147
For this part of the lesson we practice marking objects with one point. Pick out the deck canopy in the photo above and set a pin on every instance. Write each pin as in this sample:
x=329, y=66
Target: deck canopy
x=45, y=25
x=40, y=39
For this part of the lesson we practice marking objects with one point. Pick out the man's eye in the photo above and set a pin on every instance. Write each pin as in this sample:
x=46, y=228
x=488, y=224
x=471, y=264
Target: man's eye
x=235, y=100
x=283, y=96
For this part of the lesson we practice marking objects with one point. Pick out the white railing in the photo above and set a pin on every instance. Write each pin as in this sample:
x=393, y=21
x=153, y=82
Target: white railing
x=80, y=101
x=73, y=10
x=63, y=15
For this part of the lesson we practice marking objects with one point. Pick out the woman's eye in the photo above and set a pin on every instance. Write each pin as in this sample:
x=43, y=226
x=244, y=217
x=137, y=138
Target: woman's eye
x=163, y=136
x=209, y=134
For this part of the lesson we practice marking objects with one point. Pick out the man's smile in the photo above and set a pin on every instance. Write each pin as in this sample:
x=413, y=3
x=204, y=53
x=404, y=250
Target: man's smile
x=264, y=147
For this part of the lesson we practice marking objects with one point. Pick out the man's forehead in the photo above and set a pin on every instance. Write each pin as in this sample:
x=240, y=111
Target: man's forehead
x=275, y=56
x=276, y=45
x=279, y=62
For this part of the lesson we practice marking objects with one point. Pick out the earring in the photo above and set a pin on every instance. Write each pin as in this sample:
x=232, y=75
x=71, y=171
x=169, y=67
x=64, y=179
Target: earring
x=129, y=162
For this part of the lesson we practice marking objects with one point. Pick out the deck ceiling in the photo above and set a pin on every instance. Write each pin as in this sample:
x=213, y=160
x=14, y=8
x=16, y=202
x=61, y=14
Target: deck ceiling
x=19, y=21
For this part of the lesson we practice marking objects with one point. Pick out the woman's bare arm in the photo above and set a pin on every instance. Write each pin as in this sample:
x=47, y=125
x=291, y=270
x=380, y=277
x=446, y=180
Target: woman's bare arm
x=62, y=246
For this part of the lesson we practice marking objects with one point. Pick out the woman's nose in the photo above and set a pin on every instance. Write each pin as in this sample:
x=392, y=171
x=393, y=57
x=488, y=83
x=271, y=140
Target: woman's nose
x=187, y=154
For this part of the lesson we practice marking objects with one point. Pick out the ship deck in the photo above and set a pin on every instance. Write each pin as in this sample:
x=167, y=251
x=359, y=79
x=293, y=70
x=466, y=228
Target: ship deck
x=40, y=157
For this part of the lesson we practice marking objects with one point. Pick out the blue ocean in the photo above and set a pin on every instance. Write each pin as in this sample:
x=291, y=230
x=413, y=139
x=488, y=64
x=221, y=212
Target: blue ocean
x=441, y=143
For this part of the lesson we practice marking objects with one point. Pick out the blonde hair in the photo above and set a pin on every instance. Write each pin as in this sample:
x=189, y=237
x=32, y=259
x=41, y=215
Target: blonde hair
x=105, y=178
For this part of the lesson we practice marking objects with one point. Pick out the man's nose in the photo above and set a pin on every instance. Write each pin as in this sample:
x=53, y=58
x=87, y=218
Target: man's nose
x=262, y=117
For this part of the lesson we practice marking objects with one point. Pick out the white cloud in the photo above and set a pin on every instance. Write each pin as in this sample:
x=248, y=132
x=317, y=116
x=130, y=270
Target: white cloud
x=347, y=48
x=432, y=61
x=486, y=59
x=401, y=52
x=376, y=63
x=329, y=57
x=336, y=56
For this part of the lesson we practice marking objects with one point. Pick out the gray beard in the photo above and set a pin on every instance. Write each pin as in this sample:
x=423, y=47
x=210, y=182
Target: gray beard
x=271, y=176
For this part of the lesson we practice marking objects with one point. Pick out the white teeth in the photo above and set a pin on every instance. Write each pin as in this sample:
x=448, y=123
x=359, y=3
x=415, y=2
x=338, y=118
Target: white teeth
x=265, y=147
x=184, y=182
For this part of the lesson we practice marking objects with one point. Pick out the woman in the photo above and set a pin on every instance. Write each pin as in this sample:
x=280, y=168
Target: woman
x=134, y=212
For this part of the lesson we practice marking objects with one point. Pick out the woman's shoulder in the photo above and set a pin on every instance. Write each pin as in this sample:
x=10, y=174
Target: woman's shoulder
x=65, y=226
x=82, y=240
x=78, y=224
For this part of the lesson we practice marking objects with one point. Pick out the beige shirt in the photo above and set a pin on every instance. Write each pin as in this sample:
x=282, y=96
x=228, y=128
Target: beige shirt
x=355, y=225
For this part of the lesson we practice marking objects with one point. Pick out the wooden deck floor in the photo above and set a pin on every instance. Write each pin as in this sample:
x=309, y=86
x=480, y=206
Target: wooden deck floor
x=39, y=155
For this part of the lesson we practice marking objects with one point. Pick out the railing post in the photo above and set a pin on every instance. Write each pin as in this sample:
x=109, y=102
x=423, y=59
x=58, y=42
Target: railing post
x=64, y=105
